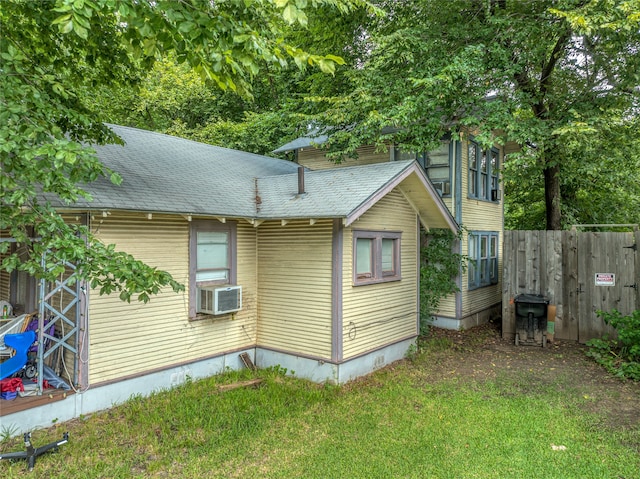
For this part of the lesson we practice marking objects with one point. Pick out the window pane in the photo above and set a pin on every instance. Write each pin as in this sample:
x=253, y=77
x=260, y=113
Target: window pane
x=364, y=256
x=212, y=256
x=438, y=173
x=483, y=161
x=484, y=247
x=473, y=257
x=494, y=247
x=387, y=255
x=217, y=275
x=494, y=162
x=439, y=156
x=404, y=155
x=212, y=250
x=473, y=248
x=473, y=156
x=472, y=183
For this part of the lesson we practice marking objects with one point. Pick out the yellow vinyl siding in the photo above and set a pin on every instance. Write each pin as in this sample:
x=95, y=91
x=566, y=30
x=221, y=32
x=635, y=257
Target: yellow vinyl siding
x=447, y=306
x=295, y=287
x=479, y=215
x=379, y=314
x=127, y=339
x=315, y=159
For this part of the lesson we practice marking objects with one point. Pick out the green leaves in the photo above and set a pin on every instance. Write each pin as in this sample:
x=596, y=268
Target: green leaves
x=620, y=356
x=439, y=268
x=56, y=55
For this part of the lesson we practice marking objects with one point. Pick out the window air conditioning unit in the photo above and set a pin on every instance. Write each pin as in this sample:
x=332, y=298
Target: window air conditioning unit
x=496, y=195
x=219, y=300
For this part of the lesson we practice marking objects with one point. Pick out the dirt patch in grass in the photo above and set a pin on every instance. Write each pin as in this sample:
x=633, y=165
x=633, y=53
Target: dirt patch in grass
x=481, y=353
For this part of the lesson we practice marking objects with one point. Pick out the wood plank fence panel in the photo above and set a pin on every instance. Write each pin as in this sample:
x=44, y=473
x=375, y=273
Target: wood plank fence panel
x=604, y=253
x=509, y=271
x=562, y=265
x=567, y=322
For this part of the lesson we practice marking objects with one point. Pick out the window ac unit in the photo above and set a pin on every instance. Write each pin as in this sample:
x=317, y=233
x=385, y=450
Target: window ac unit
x=496, y=195
x=219, y=300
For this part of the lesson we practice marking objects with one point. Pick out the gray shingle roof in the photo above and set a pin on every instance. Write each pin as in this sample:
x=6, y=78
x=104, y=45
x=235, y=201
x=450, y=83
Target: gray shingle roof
x=349, y=192
x=328, y=193
x=163, y=173
x=303, y=142
x=166, y=174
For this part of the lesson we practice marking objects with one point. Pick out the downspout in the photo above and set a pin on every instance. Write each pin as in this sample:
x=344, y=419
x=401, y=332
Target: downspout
x=453, y=178
x=456, y=197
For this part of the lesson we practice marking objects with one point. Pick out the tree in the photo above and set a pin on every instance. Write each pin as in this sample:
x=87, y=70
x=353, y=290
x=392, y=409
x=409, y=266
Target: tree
x=53, y=52
x=559, y=77
x=173, y=99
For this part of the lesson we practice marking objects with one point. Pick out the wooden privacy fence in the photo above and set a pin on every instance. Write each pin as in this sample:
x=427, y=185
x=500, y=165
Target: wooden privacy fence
x=579, y=272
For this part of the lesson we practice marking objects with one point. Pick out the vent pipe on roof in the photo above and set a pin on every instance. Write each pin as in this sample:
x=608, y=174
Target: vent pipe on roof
x=300, y=180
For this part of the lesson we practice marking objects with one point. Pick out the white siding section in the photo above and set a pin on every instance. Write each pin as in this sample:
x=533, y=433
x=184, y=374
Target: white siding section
x=294, y=277
x=380, y=314
x=129, y=339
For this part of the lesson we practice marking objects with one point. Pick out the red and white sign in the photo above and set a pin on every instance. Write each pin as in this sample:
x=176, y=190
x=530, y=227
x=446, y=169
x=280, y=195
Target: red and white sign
x=605, y=279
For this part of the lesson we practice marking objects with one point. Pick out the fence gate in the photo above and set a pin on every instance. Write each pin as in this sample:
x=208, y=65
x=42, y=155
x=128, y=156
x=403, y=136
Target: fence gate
x=580, y=272
x=606, y=280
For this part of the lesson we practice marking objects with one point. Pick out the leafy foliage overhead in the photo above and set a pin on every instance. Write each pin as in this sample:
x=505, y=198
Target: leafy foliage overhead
x=558, y=77
x=54, y=53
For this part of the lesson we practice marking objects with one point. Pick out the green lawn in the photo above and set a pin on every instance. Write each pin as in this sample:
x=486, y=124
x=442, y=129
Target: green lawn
x=400, y=422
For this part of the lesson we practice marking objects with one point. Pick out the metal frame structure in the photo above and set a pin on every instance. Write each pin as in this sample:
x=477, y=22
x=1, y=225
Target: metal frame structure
x=66, y=317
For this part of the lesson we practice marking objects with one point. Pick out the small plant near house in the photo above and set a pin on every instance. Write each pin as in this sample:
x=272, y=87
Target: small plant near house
x=620, y=356
x=439, y=267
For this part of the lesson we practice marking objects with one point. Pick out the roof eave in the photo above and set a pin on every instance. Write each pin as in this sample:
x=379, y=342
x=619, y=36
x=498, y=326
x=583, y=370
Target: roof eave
x=427, y=218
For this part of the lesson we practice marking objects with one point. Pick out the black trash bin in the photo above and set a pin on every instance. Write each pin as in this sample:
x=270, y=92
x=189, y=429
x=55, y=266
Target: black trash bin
x=531, y=319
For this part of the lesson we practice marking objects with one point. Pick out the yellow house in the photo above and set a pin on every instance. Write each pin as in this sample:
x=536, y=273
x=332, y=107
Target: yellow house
x=314, y=271
x=467, y=178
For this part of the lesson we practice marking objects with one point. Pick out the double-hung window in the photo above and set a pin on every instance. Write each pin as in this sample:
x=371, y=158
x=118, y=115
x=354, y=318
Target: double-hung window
x=436, y=163
x=376, y=257
x=438, y=168
x=484, y=167
x=212, y=258
x=483, y=259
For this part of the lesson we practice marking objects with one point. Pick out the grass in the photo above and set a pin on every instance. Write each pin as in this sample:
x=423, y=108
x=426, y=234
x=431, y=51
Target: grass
x=396, y=423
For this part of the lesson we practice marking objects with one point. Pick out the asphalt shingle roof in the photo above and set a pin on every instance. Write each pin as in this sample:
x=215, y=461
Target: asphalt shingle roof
x=166, y=174
x=328, y=193
x=163, y=173
x=302, y=142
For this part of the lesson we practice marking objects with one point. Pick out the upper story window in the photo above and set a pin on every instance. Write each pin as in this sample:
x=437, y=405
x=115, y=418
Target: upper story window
x=436, y=163
x=212, y=257
x=376, y=257
x=483, y=256
x=484, y=167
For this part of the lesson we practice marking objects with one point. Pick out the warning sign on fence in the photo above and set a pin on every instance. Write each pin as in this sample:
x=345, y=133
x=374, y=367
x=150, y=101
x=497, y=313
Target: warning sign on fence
x=605, y=279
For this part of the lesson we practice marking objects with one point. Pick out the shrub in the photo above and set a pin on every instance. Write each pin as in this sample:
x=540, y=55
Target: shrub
x=440, y=266
x=620, y=356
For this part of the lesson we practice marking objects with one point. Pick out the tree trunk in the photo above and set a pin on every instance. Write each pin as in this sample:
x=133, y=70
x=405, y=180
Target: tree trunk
x=552, y=196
